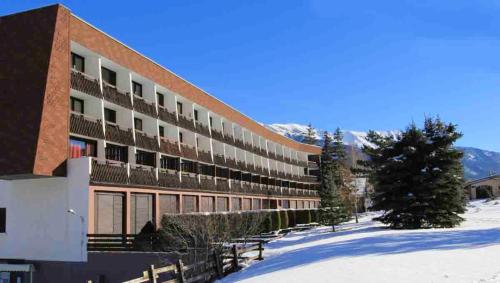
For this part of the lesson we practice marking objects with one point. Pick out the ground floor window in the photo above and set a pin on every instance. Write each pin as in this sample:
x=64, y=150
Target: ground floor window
x=189, y=204
x=141, y=214
x=109, y=213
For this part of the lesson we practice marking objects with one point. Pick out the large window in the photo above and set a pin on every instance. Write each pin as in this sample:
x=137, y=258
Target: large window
x=161, y=99
x=145, y=158
x=82, y=147
x=77, y=62
x=116, y=152
x=3, y=219
x=169, y=163
x=138, y=124
x=141, y=213
x=77, y=105
x=110, y=115
x=179, y=107
x=109, y=211
x=108, y=76
x=137, y=88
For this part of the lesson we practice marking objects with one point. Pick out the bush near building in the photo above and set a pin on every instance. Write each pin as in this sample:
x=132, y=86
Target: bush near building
x=292, y=220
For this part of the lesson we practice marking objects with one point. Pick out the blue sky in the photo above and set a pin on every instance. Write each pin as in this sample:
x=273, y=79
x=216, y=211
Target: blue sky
x=357, y=65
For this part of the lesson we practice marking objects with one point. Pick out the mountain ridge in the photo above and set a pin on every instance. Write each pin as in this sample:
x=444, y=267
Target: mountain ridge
x=478, y=163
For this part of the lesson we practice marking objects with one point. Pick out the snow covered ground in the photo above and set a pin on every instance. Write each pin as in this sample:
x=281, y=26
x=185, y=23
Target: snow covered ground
x=367, y=252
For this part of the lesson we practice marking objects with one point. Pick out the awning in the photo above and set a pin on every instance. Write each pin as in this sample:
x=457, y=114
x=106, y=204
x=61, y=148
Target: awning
x=16, y=267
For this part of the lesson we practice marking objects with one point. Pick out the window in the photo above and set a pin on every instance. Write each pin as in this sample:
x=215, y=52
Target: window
x=116, y=152
x=197, y=142
x=77, y=62
x=223, y=126
x=179, y=107
x=110, y=115
x=161, y=129
x=145, y=158
x=138, y=124
x=169, y=163
x=181, y=139
x=161, y=99
x=77, y=105
x=3, y=219
x=108, y=76
x=196, y=115
x=210, y=121
x=137, y=88
x=82, y=147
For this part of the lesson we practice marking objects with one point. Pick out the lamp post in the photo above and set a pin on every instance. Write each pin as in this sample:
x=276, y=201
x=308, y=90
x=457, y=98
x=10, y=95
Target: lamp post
x=82, y=222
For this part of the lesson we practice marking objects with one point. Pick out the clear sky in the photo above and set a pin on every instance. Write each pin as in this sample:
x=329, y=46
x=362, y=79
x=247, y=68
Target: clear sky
x=357, y=65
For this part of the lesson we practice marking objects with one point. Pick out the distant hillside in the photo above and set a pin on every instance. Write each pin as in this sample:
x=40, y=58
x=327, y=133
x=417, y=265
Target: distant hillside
x=478, y=163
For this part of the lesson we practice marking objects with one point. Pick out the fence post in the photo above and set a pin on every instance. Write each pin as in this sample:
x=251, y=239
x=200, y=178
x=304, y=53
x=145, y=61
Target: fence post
x=261, y=248
x=180, y=271
x=152, y=273
x=218, y=264
x=235, y=257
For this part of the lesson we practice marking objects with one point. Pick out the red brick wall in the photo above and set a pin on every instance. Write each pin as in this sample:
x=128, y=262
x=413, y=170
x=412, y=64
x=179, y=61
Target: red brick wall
x=34, y=91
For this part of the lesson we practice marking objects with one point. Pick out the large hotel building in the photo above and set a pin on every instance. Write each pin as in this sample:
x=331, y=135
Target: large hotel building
x=90, y=126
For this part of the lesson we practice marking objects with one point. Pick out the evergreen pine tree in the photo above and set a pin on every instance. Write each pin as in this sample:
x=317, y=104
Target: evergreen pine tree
x=331, y=212
x=341, y=173
x=417, y=177
x=310, y=136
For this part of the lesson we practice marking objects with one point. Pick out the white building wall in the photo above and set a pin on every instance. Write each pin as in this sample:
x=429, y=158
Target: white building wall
x=39, y=226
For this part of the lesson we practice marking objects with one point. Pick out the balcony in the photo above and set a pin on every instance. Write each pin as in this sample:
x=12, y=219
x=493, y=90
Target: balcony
x=231, y=163
x=241, y=166
x=189, y=182
x=202, y=129
x=309, y=179
x=140, y=105
x=217, y=135
x=85, y=84
x=219, y=160
x=142, y=140
x=169, y=147
x=239, y=143
x=143, y=176
x=106, y=172
x=227, y=139
x=168, y=179
x=207, y=184
x=115, y=134
x=167, y=116
x=188, y=152
x=113, y=95
x=222, y=185
x=86, y=126
x=186, y=123
x=204, y=156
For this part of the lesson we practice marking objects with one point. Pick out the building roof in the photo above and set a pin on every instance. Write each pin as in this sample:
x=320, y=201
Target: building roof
x=472, y=182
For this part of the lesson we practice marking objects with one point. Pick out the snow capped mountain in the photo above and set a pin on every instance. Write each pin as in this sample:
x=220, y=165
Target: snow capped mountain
x=478, y=163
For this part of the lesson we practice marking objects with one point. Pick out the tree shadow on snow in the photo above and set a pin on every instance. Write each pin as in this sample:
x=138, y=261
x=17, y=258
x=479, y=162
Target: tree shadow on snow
x=384, y=244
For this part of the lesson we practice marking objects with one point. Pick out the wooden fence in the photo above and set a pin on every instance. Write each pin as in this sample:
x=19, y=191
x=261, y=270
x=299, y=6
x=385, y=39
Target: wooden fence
x=217, y=265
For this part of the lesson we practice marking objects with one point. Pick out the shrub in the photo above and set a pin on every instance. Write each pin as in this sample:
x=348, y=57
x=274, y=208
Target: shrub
x=284, y=219
x=292, y=221
x=266, y=224
x=303, y=217
x=275, y=220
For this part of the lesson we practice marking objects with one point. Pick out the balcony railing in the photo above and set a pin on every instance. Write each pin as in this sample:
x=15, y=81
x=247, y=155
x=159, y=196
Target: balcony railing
x=231, y=163
x=147, y=142
x=167, y=116
x=219, y=160
x=142, y=176
x=86, y=126
x=217, y=135
x=204, y=156
x=140, y=105
x=241, y=166
x=309, y=179
x=186, y=123
x=85, y=84
x=169, y=147
x=188, y=152
x=111, y=94
x=207, y=184
x=239, y=143
x=115, y=134
x=202, y=129
x=189, y=182
x=107, y=172
x=168, y=179
x=223, y=185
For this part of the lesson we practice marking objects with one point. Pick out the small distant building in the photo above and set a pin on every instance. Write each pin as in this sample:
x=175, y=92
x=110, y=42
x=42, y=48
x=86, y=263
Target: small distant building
x=484, y=188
